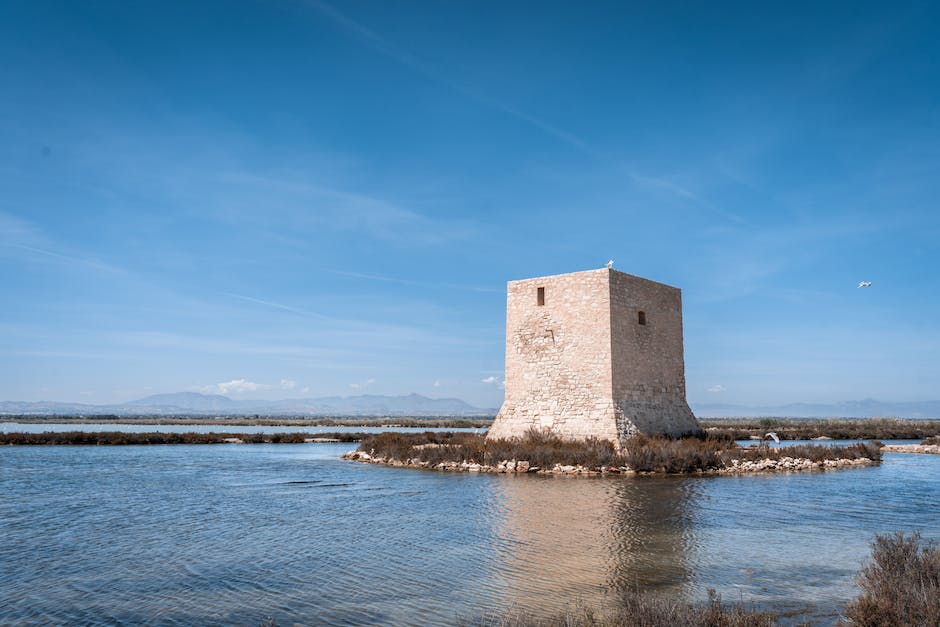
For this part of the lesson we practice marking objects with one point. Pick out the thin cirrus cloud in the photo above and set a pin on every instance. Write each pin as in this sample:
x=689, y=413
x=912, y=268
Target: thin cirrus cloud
x=229, y=184
x=385, y=47
x=716, y=388
x=26, y=241
x=388, y=279
x=268, y=303
x=382, y=45
x=304, y=202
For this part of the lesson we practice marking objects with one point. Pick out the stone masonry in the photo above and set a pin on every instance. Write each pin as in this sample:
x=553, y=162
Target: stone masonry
x=594, y=354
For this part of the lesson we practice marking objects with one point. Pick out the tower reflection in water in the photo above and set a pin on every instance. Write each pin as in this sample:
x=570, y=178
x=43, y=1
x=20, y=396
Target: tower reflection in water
x=569, y=540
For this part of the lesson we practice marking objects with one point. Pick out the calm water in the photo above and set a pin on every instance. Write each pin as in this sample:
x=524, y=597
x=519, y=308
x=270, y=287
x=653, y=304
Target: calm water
x=232, y=534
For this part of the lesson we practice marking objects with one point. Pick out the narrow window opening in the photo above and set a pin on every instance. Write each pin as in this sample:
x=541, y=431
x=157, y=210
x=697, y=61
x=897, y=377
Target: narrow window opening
x=641, y=317
x=541, y=296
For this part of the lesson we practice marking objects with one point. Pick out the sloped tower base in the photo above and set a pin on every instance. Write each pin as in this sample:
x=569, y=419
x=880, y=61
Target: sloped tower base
x=626, y=420
x=594, y=354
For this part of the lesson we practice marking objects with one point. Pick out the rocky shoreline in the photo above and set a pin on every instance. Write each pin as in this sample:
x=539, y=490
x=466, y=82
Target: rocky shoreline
x=927, y=449
x=784, y=464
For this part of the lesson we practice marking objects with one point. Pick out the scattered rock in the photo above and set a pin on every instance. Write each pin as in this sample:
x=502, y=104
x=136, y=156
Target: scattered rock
x=928, y=449
x=784, y=464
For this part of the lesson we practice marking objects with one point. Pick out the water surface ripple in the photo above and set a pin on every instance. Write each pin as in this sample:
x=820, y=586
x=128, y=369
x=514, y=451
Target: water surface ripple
x=233, y=534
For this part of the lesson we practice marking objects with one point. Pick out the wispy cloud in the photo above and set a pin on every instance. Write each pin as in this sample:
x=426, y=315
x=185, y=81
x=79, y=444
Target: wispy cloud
x=716, y=389
x=282, y=307
x=393, y=51
x=302, y=201
x=673, y=188
x=15, y=228
x=69, y=259
x=388, y=279
x=29, y=242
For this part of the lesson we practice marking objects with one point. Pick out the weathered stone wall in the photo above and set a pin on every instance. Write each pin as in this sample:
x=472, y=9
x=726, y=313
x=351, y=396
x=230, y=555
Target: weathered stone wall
x=580, y=365
x=647, y=359
x=558, y=374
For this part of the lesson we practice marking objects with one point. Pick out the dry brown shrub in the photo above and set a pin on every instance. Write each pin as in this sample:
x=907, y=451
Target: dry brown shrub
x=900, y=585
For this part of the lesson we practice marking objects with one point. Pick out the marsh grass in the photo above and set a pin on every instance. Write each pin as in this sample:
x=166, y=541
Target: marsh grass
x=835, y=428
x=642, y=453
x=659, y=454
x=900, y=585
x=544, y=450
x=812, y=452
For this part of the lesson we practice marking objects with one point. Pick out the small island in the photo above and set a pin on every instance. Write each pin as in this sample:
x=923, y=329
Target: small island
x=544, y=453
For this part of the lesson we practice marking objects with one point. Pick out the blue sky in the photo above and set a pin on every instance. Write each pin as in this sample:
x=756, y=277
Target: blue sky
x=301, y=198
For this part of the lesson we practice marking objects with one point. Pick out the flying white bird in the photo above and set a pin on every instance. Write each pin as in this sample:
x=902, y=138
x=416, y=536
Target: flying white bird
x=773, y=436
x=610, y=264
x=865, y=284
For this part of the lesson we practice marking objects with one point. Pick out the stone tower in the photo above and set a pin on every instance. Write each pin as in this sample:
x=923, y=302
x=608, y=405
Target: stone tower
x=594, y=353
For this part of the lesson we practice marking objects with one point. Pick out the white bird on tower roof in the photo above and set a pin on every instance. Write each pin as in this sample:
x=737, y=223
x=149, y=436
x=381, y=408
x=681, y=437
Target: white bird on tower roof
x=610, y=264
x=864, y=284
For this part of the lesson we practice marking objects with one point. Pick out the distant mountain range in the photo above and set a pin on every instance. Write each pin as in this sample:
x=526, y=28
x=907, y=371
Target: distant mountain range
x=193, y=403
x=867, y=408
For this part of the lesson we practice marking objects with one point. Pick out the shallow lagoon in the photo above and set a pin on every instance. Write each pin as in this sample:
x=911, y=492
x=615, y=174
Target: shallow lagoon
x=235, y=533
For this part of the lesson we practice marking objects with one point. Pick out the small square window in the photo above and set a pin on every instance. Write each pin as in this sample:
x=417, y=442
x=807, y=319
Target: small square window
x=641, y=317
x=540, y=296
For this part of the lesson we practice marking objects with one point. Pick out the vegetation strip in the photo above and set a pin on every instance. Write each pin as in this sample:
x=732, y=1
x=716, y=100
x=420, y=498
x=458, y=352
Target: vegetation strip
x=735, y=428
x=470, y=452
x=435, y=422
x=831, y=429
x=118, y=438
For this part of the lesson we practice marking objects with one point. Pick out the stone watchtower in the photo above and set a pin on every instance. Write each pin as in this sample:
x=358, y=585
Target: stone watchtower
x=594, y=354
